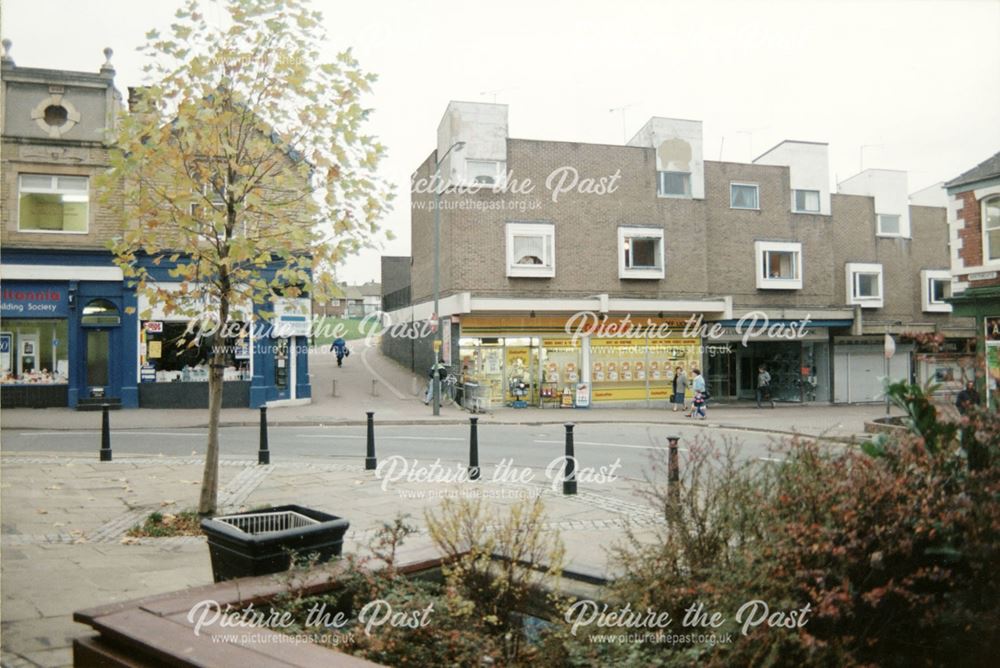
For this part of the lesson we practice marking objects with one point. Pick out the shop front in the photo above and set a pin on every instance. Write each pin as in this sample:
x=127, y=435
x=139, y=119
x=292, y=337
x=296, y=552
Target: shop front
x=516, y=360
x=63, y=343
x=796, y=354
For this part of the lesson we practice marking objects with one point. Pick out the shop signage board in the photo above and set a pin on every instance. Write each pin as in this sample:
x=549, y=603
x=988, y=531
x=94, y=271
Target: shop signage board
x=291, y=317
x=33, y=299
x=154, y=327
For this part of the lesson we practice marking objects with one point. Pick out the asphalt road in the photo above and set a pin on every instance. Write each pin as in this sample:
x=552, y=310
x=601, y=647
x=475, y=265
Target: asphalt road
x=630, y=446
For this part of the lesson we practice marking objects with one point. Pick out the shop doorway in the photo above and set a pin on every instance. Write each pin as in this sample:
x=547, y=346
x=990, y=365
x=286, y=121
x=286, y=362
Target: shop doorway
x=101, y=321
x=98, y=361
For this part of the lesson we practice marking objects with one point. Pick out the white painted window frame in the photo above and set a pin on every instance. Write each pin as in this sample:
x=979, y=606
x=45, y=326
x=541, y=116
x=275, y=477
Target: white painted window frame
x=755, y=186
x=545, y=230
x=853, y=269
x=987, y=260
x=766, y=283
x=819, y=204
x=926, y=276
x=52, y=191
x=891, y=235
x=641, y=273
x=659, y=191
x=499, y=174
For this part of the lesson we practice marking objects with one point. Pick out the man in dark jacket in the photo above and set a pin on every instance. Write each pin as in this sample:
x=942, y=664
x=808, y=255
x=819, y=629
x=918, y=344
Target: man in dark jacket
x=967, y=398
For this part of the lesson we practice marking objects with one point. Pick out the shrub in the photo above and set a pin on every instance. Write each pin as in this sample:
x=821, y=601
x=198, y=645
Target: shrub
x=896, y=555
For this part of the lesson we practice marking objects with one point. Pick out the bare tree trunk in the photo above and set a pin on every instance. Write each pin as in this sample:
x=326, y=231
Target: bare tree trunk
x=210, y=479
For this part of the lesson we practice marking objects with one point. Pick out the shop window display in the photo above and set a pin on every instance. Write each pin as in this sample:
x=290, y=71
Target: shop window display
x=169, y=353
x=638, y=369
x=34, y=351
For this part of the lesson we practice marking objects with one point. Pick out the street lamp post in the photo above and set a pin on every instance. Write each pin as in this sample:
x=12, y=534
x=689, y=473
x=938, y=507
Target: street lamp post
x=435, y=379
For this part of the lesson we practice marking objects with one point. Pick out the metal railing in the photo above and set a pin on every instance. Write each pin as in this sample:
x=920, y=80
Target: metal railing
x=261, y=523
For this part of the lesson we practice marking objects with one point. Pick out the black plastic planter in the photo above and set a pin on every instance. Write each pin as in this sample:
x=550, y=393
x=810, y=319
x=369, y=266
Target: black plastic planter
x=262, y=541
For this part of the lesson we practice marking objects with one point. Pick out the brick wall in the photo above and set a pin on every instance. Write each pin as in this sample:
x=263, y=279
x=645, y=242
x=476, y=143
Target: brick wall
x=709, y=247
x=105, y=216
x=970, y=235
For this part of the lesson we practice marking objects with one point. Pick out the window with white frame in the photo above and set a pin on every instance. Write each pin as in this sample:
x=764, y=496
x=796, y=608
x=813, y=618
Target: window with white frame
x=485, y=172
x=640, y=252
x=531, y=250
x=673, y=184
x=779, y=265
x=935, y=289
x=50, y=203
x=807, y=201
x=744, y=196
x=888, y=224
x=991, y=228
x=210, y=194
x=864, y=284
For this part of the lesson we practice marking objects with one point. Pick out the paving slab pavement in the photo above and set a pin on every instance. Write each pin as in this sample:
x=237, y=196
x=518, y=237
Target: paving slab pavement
x=64, y=518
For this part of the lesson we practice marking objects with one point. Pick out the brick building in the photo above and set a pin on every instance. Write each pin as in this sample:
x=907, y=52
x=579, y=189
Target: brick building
x=974, y=222
x=534, y=233
x=71, y=333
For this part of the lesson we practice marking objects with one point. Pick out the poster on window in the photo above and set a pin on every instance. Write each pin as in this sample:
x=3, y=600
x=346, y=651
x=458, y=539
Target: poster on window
x=6, y=345
x=446, y=340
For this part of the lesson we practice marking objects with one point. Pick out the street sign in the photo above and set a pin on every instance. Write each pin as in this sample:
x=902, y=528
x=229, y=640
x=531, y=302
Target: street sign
x=890, y=346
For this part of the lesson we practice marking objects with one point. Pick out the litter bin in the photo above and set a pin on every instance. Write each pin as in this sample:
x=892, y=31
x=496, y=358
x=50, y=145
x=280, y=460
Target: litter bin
x=262, y=541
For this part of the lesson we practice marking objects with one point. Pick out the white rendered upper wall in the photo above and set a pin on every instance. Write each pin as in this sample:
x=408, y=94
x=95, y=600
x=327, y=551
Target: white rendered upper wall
x=808, y=169
x=934, y=195
x=483, y=128
x=888, y=187
x=679, y=148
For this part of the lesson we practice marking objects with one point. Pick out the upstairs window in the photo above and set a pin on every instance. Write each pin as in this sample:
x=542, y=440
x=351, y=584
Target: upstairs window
x=744, y=196
x=640, y=252
x=864, y=284
x=673, y=184
x=935, y=290
x=991, y=228
x=485, y=172
x=779, y=265
x=531, y=250
x=53, y=204
x=888, y=225
x=807, y=201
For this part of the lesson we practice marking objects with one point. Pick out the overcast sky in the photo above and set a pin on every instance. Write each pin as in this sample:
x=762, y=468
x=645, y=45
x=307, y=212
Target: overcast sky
x=916, y=81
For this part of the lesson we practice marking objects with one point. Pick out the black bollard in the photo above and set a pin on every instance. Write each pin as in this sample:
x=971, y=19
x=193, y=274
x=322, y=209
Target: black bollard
x=263, y=455
x=473, y=448
x=569, y=480
x=105, y=434
x=673, y=466
x=370, y=462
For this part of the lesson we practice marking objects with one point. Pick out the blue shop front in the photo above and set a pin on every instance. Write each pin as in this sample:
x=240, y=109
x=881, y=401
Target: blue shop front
x=71, y=335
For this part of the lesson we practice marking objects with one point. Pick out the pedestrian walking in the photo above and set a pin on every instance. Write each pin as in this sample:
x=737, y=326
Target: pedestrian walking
x=699, y=406
x=339, y=347
x=680, y=388
x=764, y=386
x=442, y=372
